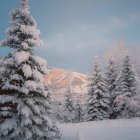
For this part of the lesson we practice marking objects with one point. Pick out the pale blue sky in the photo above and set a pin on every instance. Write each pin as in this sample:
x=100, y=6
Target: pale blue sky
x=74, y=31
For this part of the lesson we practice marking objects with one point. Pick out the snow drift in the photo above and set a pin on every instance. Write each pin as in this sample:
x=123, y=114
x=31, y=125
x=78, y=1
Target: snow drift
x=103, y=130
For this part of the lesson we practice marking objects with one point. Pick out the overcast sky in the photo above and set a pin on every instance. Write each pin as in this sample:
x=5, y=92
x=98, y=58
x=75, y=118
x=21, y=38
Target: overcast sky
x=74, y=31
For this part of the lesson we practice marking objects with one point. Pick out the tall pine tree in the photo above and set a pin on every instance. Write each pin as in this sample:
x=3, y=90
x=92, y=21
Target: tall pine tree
x=24, y=108
x=98, y=96
x=111, y=77
x=69, y=110
x=79, y=114
x=126, y=89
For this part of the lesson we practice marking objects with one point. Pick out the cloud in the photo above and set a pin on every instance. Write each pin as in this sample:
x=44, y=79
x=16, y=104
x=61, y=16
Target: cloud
x=74, y=45
x=118, y=22
x=134, y=17
x=78, y=37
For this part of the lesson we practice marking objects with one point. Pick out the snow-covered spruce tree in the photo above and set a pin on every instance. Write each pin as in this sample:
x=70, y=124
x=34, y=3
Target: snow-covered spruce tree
x=58, y=113
x=4, y=114
x=23, y=92
x=79, y=116
x=111, y=77
x=134, y=106
x=126, y=89
x=68, y=109
x=97, y=96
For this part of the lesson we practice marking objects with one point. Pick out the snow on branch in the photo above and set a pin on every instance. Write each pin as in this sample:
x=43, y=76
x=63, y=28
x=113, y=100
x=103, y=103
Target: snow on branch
x=31, y=85
x=21, y=56
x=37, y=75
x=30, y=30
x=27, y=70
x=40, y=61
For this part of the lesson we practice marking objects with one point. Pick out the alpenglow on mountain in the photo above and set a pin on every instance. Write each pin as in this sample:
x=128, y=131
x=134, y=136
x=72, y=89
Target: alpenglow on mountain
x=59, y=80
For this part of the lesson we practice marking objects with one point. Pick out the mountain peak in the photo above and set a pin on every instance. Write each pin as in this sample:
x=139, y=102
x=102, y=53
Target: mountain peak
x=60, y=79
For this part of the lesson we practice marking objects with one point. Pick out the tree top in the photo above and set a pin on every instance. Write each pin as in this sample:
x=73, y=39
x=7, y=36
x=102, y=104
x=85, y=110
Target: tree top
x=24, y=3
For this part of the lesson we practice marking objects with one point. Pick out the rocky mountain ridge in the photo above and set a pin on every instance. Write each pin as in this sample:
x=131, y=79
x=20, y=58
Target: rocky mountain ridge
x=60, y=79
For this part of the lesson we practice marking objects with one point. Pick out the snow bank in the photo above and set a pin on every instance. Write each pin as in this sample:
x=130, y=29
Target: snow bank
x=103, y=130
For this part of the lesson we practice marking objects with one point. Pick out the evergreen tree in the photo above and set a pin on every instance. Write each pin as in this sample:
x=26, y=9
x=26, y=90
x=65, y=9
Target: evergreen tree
x=134, y=106
x=111, y=77
x=24, y=105
x=68, y=107
x=79, y=116
x=4, y=113
x=125, y=90
x=58, y=112
x=98, y=96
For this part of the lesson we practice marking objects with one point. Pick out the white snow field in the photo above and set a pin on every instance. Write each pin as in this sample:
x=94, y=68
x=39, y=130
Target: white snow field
x=123, y=129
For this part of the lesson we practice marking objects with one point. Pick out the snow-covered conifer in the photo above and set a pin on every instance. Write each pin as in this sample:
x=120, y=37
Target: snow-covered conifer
x=58, y=112
x=97, y=96
x=134, y=106
x=111, y=77
x=6, y=104
x=69, y=110
x=79, y=116
x=23, y=98
x=126, y=89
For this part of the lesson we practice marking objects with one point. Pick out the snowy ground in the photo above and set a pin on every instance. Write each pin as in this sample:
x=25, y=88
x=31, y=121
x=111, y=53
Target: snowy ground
x=103, y=130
